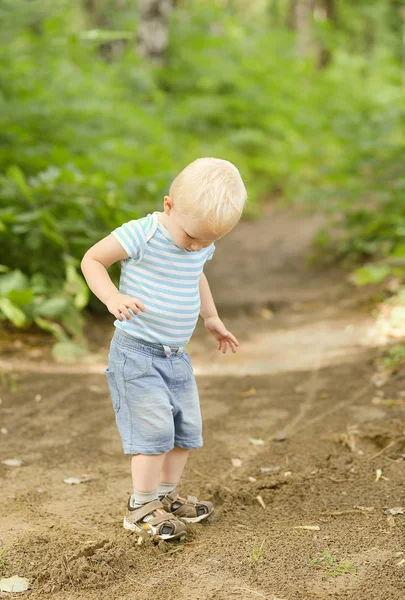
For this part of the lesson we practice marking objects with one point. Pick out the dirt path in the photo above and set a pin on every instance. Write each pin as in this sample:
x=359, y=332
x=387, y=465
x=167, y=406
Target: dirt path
x=295, y=405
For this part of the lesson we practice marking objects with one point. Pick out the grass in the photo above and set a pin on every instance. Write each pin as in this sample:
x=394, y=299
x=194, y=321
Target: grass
x=257, y=551
x=9, y=382
x=330, y=566
x=395, y=356
x=2, y=553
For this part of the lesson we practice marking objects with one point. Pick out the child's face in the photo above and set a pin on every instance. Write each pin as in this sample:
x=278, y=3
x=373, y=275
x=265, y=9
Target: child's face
x=189, y=233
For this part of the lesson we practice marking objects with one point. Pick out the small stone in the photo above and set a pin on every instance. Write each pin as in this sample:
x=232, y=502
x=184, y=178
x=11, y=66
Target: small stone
x=269, y=469
x=12, y=462
x=76, y=480
x=281, y=436
x=397, y=510
x=3, y=430
x=256, y=442
x=14, y=584
x=252, y=479
x=38, y=398
x=236, y=462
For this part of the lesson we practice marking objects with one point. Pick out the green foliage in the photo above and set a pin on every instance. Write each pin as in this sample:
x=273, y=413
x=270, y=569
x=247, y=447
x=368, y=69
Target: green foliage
x=2, y=553
x=330, y=566
x=91, y=135
x=395, y=356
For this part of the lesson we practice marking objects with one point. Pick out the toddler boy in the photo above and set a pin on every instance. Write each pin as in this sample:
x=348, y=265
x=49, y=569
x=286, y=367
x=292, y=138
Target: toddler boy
x=162, y=291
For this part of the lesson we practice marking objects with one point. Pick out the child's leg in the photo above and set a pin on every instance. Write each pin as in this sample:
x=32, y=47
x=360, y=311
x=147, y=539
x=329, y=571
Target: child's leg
x=172, y=468
x=189, y=509
x=146, y=469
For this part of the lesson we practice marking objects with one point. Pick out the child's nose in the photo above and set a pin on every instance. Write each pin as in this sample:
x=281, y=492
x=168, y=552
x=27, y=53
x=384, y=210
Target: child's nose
x=196, y=246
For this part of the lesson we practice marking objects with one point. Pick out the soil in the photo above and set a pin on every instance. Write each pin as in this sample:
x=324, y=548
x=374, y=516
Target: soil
x=300, y=405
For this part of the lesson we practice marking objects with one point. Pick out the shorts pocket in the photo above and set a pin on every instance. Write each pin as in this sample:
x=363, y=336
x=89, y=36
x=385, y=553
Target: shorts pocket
x=114, y=389
x=186, y=358
x=136, y=365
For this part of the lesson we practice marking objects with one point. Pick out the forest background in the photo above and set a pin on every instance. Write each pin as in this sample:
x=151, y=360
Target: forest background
x=103, y=102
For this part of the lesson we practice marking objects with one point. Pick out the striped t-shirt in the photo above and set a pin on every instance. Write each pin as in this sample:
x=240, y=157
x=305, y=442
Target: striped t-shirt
x=164, y=277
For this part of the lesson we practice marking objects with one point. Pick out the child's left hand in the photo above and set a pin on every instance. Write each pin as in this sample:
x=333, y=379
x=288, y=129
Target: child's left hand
x=220, y=332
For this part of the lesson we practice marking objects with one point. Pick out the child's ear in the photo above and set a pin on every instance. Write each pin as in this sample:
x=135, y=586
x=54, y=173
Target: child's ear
x=168, y=205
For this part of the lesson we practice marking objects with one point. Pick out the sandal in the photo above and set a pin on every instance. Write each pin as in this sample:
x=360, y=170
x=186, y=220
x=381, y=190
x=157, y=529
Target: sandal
x=153, y=518
x=188, y=509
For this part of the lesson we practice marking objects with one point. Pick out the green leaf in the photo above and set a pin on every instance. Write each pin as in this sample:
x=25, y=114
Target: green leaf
x=76, y=286
x=21, y=297
x=12, y=312
x=53, y=308
x=18, y=177
x=14, y=280
x=52, y=327
x=370, y=273
x=104, y=35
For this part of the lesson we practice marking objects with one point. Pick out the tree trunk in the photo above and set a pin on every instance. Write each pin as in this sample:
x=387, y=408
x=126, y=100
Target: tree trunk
x=402, y=13
x=153, y=30
x=325, y=10
x=303, y=20
x=291, y=15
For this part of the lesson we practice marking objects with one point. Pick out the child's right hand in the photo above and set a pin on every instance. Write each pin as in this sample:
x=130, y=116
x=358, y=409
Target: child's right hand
x=118, y=305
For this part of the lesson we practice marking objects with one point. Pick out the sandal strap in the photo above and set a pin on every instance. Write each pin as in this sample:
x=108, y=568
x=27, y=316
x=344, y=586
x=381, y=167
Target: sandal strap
x=146, y=509
x=162, y=518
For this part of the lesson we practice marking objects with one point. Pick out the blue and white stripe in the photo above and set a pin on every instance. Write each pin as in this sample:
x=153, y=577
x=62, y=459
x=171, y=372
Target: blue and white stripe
x=165, y=278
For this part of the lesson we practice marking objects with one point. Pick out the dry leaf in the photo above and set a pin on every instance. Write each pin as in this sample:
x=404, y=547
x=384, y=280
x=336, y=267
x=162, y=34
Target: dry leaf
x=76, y=480
x=269, y=469
x=260, y=501
x=379, y=379
x=308, y=527
x=236, y=462
x=391, y=521
x=96, y=389
x=397, y=510
x=14, y=584
x=387, y=402
x=256, y=442
x=266, y=314
x=248, y=393
x=401, y=563
x=12, y=462
x=281, y=436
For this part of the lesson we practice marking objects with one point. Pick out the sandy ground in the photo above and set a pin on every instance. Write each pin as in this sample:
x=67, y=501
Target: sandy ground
x=297, y=405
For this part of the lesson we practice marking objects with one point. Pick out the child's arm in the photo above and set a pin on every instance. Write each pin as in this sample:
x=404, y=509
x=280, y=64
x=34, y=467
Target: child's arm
x=94, y=267
x=212, y=322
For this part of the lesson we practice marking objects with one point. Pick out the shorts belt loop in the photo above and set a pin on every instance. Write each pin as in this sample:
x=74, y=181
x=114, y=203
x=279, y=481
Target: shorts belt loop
x=167, y=350
x=180, y=350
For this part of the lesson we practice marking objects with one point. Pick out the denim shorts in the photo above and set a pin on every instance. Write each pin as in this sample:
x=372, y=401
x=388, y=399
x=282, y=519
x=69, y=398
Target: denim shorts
x=154, y=395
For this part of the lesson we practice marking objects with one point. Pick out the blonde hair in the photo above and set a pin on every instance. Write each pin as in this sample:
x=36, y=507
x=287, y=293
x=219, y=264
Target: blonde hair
x=211, y=189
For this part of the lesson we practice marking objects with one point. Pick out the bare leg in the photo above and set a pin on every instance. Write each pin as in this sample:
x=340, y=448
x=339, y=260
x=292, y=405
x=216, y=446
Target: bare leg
x=173, y=465
x=146, y=470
